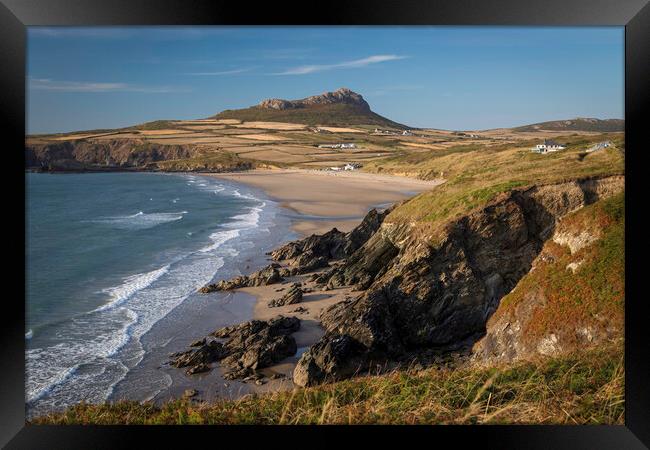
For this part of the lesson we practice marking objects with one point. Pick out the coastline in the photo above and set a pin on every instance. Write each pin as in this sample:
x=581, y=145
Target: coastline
x=303, y=202
x=315, y=204
x=321, y=200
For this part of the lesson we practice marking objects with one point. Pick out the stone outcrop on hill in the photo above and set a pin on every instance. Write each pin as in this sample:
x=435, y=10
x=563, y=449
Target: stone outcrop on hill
x=419, y=297
x=340, y=96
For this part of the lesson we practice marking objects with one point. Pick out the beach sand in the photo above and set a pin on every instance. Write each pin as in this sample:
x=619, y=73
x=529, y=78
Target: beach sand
x=322, y=200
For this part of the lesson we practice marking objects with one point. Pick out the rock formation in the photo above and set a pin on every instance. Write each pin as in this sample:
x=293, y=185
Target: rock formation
x=421, y=297
x=248, y=347
x=340, y=96
x=293, y=295
x=268, y=275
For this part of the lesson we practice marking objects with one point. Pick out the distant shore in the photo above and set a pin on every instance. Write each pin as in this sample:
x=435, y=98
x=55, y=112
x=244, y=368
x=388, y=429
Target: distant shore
x=326, y=199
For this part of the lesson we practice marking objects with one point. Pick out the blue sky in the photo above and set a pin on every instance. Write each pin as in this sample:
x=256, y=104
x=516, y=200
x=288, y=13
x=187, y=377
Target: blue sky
x=439, y=77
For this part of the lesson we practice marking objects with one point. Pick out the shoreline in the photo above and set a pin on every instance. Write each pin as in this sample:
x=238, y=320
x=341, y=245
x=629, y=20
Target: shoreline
x=310, y=210
x=321, y=200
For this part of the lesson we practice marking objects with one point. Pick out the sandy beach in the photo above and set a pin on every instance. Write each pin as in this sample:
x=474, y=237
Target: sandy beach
x=322, y=200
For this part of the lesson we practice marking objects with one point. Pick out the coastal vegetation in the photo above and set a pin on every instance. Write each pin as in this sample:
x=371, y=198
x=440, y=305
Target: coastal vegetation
x=575, y=389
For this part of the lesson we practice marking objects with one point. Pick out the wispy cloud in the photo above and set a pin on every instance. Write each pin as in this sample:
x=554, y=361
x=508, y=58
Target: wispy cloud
x=47, y=84
x=396, y=88
x=222, y=72
x=363, y=62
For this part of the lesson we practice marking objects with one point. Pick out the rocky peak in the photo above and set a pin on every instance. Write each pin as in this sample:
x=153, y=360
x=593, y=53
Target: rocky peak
x=342, y=95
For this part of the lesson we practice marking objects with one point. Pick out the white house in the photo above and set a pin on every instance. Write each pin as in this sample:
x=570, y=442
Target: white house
x=350, y=145
x=352, y=166
x=548, y=146
x=599, y=146
x=407, y=133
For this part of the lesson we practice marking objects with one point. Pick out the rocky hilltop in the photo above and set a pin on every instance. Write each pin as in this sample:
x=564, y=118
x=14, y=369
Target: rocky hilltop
x=340, y=96
x=342, y=107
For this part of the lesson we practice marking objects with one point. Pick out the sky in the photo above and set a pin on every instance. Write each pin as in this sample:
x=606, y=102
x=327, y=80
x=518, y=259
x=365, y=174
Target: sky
x=460, y=78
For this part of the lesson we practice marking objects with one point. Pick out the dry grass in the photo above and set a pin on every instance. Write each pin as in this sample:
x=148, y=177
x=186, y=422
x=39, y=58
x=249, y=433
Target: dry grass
x=579, y=389
x=476, y=174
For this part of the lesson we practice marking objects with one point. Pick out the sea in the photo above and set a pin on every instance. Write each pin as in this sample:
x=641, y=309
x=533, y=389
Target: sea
x=113, y=263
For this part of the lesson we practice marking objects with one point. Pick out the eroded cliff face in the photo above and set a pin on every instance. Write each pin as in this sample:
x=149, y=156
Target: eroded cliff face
x=418, y=297
x=573, y=296
x=116, y=154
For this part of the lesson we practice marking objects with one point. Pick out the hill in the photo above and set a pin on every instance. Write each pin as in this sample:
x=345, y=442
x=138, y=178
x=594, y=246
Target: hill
x=342, y=107
x=577, y=124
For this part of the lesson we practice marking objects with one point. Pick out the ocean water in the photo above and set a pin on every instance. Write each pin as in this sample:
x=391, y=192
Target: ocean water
x=111, y=255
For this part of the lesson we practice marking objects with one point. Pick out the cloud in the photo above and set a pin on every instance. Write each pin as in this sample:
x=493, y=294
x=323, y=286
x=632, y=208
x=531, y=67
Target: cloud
x=46, y=84
x=303, y=70
x=223, y=72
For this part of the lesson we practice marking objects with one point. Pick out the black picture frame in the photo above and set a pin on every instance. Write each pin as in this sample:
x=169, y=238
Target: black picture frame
x=16, y=15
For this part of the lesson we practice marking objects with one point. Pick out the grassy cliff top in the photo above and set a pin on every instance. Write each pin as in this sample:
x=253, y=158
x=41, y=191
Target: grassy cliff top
x=476, y=174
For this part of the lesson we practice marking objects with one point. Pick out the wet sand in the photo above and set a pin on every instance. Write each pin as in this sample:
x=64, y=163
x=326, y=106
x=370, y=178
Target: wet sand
x=322, y=200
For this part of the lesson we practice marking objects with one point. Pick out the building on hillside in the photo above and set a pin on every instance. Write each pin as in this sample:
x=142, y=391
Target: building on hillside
x=352, y=166
x=548, y=146
x=599, y=146
x=407, y=133
x=349, y=145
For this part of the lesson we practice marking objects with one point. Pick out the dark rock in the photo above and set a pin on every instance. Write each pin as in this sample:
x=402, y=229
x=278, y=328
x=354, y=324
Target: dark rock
x=189, y=393
x=199, y=368
x=257, y=344
x=207, y=353
x=293, y=295
x=333, y=358
x=268, y=275
x=198, y=343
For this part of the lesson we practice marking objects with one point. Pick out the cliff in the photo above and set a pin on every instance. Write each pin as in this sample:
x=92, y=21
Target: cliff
x=127, y=154
x=420, y=299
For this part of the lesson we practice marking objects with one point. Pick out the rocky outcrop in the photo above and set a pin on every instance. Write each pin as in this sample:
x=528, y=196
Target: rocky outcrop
x=293, y=295
x=315, y=250
x=268, y=275
x=420, y=297
x=257, y=344
x=248, y=347
x=340, y=96
x=197, y=359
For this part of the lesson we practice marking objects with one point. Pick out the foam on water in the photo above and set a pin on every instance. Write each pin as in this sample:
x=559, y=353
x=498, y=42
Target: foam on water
x=141, y=220
x=131, y=285
x=95, y=350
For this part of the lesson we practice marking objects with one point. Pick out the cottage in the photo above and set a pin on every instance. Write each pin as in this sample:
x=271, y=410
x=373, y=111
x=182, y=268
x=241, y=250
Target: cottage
x=548, y=146
x=352, y=166
x=599, y=146
x=407, y=133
